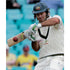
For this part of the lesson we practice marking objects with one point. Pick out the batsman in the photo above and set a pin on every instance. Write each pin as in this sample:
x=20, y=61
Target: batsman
x=48, y=36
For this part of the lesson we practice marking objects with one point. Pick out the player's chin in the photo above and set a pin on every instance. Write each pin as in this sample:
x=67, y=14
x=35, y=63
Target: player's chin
x=41, y=20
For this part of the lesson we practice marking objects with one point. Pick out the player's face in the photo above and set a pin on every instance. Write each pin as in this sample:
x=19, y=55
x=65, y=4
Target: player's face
x=41, y=16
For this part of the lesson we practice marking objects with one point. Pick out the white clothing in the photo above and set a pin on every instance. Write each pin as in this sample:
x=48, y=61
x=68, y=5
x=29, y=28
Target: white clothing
x=54, y=44
x=50, y=63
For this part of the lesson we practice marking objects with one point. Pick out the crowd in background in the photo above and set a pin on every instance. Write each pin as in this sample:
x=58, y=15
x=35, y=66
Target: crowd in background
x=55, y=4
x=12, y=4
x=25, y=60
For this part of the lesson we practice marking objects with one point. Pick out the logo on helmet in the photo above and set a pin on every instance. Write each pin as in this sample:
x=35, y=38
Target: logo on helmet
x=37, y=8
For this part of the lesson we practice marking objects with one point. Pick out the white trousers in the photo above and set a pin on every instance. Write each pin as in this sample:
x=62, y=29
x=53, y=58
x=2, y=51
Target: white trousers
x=50, y=63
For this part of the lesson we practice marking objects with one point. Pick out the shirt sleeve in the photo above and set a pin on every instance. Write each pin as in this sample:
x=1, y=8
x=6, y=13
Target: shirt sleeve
x=58, y=26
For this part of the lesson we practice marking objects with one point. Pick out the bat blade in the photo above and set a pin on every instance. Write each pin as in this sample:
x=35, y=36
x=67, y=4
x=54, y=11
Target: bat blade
x=16, y=39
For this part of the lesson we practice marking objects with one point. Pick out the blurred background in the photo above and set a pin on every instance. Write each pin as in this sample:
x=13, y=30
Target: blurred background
x=19, y=17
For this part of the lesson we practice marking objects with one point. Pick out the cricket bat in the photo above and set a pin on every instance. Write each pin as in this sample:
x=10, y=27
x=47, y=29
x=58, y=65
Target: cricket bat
x=16, y=39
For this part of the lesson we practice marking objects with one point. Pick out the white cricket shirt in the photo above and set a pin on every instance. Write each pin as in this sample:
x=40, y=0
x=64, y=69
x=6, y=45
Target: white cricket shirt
x=54, y=44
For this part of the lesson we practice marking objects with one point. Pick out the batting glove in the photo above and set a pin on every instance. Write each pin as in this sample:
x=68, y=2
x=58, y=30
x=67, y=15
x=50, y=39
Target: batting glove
x=30, y=33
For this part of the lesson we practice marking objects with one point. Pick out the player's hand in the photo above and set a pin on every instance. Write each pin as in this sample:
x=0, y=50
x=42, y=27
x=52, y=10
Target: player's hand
x=32, y=32
x=34, y=27
x=32, y=37
x=29, y=34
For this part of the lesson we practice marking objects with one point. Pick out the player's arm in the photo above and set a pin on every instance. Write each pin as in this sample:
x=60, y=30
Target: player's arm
x=35, y=46
x=50, y=22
